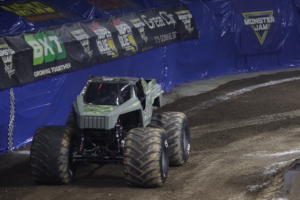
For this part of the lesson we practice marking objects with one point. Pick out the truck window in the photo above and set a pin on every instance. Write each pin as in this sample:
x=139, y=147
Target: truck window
x=107, y=93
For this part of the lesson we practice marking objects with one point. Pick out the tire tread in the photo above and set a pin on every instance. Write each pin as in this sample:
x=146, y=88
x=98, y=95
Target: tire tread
x=142, y=157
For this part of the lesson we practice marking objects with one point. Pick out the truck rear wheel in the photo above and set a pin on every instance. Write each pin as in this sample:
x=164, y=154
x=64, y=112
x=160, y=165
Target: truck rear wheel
x=146, y=161
x=178, y=135
x=51, y=155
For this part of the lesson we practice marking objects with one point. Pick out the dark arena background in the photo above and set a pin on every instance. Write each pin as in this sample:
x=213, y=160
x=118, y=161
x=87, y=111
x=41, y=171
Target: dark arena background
x=232, y=66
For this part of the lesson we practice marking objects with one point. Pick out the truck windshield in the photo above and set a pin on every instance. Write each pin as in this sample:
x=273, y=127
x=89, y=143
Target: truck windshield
x=107, y=93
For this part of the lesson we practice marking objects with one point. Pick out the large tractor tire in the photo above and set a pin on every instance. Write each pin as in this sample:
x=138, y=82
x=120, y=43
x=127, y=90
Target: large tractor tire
x=146, y=161
x=178, y=135
x=51, y=155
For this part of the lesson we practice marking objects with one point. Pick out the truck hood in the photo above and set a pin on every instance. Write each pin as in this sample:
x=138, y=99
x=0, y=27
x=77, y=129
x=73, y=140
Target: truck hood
x=98, y=109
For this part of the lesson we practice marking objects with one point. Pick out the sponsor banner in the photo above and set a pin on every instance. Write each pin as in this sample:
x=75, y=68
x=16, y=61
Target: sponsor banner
x=111, y=4
x=33, y=10
x=105, y=43
x=6, y=55
x=48, y=53
x=125, y=37
x=35, y=55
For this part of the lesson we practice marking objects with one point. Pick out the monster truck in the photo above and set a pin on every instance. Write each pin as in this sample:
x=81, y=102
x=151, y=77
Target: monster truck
x=113, y=122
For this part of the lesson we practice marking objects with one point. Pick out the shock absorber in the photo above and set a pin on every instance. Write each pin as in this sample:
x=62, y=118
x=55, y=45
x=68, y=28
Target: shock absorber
x=119, y=137
x=82, y=141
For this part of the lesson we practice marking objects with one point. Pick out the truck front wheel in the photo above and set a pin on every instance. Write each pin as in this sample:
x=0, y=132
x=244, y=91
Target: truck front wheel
x=146, y=160
x=51, y=155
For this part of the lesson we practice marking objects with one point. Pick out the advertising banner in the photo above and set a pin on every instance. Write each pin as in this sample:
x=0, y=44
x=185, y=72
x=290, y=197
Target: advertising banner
x=34, y=55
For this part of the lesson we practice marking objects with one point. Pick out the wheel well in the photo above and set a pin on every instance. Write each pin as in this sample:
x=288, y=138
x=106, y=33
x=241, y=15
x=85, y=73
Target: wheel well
x=157, y=102
x=131, y=120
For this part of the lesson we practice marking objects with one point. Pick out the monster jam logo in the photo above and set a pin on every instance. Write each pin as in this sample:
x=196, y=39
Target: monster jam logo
x=125, y=36
x=6, y=54
x=105, y=43
x=46, y=47
x=83, y=38
x=260, y=23
x=186, y=17
x=140, y=26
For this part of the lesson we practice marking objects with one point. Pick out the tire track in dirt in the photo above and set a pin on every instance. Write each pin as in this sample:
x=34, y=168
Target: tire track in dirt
x=225, y=162
x=260, y=120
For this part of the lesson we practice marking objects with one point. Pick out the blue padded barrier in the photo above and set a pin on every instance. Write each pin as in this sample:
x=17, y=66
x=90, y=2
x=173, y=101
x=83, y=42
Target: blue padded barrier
x=227, y=45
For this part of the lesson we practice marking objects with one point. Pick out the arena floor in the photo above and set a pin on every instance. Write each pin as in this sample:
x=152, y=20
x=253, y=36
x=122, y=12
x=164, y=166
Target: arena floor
x=245, y=139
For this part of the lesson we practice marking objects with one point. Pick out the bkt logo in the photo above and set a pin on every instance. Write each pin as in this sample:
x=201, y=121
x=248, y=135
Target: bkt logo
x=260, y=22
x=46, y=47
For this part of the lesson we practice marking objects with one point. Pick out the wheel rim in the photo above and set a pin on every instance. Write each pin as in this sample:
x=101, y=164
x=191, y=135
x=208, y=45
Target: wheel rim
x=186, y=143
x=164, y=163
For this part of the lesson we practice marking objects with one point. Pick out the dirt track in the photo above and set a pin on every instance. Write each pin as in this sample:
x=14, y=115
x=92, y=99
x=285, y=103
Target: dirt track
x=241, y=148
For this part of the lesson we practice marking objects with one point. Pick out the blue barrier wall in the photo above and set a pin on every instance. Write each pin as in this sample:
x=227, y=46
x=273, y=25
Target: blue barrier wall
x=235, y=36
